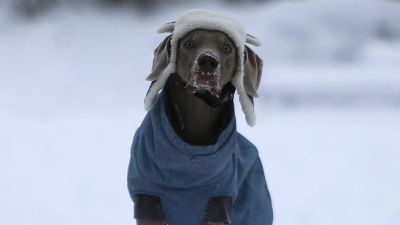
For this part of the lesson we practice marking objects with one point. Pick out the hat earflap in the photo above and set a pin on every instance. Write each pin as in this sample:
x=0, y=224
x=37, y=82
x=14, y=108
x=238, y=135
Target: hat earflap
x=162, y=68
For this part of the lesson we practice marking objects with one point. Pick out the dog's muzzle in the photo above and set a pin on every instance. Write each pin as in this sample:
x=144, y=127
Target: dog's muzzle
x=205, y=75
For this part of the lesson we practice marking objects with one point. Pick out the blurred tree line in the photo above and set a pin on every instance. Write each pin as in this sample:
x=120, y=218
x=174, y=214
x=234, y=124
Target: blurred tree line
x=35, y=7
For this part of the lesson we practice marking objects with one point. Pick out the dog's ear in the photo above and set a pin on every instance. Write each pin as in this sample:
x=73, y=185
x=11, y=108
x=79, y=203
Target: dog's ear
x=161, y=58
x=252, y=72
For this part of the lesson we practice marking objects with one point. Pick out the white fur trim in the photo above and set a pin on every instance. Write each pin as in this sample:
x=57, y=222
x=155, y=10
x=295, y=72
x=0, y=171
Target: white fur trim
x=150, y=99
x=200, y=19
x=245, y=102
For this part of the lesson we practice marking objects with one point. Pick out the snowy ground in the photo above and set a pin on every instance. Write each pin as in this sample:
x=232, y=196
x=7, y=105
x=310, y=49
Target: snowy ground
x=71, y=92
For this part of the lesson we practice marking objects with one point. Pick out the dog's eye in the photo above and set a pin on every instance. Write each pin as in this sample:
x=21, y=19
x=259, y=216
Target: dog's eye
x=189, y=44
x=227, y=48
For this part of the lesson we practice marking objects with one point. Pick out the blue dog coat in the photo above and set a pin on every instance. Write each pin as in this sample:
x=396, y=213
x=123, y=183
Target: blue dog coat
x=185, y=176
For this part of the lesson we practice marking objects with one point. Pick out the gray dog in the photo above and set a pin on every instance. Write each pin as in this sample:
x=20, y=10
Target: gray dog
x=189, y=165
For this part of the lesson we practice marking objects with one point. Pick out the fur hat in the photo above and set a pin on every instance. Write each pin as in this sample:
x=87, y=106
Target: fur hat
x=247, y=74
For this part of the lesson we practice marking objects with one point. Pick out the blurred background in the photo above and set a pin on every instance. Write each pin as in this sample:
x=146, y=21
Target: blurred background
x=71, y=96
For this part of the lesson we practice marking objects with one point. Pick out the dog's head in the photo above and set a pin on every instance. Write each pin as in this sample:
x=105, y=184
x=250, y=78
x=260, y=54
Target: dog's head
x=206, y=60
x=207, y=51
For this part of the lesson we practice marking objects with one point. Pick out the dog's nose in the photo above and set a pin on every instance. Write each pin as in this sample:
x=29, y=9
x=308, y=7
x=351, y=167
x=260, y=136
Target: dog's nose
x=208, y=62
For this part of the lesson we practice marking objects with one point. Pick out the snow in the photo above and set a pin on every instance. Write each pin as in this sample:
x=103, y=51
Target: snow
x=71, y=96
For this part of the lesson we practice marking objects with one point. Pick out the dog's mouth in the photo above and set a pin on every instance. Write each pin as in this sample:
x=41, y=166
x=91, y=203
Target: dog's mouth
x=201, y=81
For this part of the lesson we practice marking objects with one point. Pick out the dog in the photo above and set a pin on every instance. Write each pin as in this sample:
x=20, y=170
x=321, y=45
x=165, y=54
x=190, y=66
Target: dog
x=188, y=164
